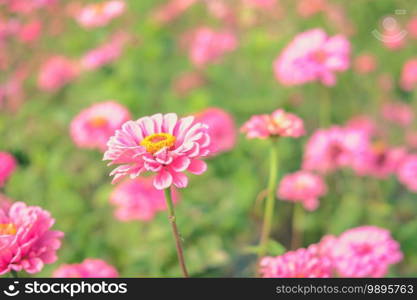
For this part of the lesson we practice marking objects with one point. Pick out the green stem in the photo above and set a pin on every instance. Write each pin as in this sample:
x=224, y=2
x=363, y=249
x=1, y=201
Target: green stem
x=296, y=235
x=270, y=200
x=14, y=274
x=325, y=108
x=172, y=220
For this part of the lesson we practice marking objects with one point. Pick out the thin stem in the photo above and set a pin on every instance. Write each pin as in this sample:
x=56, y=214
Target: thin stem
x=14, y=274
x=172, y=220
x=297, y=234
x=325, y=107
x=270, y=200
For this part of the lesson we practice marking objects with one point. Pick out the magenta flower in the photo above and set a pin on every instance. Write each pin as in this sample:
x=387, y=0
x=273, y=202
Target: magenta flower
x=301, y=263
x=138, y=199
x=221, y=129
x=89, y=268
x=304, y=187
x=93, y=126
x=365, y=251
x=312, y=56
x=104, y=54
x=171, y=10
x=364, y=63
x=56, y=72
x=162, y=144
x=329, y=149
x=7, y=166
x=279, y=123
x=409, y=75
x=209, y=46
x=26, y=240
x=398, y=112
x=100, y=14
x=407, y=172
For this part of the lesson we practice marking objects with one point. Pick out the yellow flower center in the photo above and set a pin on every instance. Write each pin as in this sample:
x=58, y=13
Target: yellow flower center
x=155, y=142
x=7, y=229
x=98, y=122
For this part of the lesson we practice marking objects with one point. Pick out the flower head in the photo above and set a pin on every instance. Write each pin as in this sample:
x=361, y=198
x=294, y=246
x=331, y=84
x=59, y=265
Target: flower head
x=93, y=126
x=99, y=14
x=162, y=144
x=301, y=263
x=56, y=72
x=304, y=187
x=89, y=268
x=7, y=166
x=311, y=56
x=409, y=75
x=137, y=199
x=26, y=240
x=365, y=251
x=221, y=128
x=279, y=123
x=398, y=112
x=407, y=172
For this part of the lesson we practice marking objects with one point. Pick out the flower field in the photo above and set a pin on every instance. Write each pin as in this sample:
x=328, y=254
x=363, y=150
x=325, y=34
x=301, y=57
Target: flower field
x=208, y=138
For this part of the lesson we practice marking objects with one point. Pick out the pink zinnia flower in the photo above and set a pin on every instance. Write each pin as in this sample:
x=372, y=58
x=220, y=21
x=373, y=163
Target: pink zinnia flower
x=380, y=160
x=407, y=172
x=409, y=75
x=30, y=32
x=221, y=128
x=93, y=126
x=365, y=251
x=7, y=166
x=304, y=187
x=363, y=123
x=26, y=242
x=412, y=27
x=187, y=82
x=208, y=45
x=398, y=112
x=99, y=14
x=104, y=54
x=279, y=123
x=89, y=268
x=171, y=10
x=311, y=56
x=161, y=144
x=56, y=72
x=364, y=63
x=301, y=263
x=329, y=149
x=308, y=8
x=137, y=199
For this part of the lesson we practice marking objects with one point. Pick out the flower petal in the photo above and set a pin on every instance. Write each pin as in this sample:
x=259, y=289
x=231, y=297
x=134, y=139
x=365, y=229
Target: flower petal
x=163, y=180
x=197, y=167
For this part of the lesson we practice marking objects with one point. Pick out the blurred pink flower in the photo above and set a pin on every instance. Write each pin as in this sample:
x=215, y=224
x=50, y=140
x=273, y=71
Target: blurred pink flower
x=407, y=172
x=56, y=72
x=385, y=82
x=89, y=268
x=364, y=63
x=393, y=38
x=307, y=8
x=221, y=129
x=187, y=82
x=161, y=144
x=171, y=10
x=27, y=7
x=7, y=166
x=301, y=263
x=279, y=123
x=100, y=14
x=26, y=243
x=398, y=112
x=380, y=160
x=409, y=75
x=304, y=187
x=365, y=251
x=311, y=56
x=30, y=32
x=363, y=123
x=137, y=199
x=411, y=139
x=207, y=45
x=412, y=27
x=329, y=149
x=104, y=54
x=93, y=126
x=267, y=4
